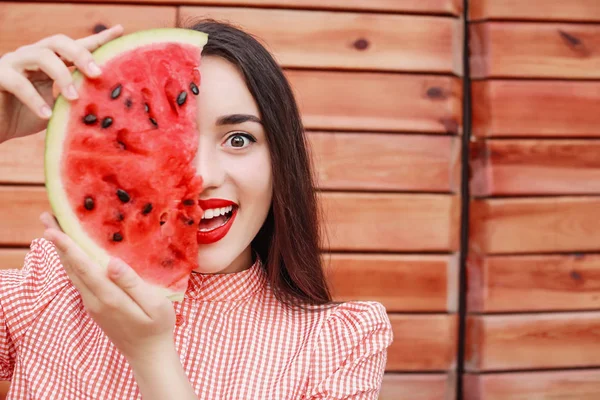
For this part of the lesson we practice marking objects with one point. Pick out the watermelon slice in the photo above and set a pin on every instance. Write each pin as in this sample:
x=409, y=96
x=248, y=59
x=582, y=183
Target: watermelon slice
x=119, y=160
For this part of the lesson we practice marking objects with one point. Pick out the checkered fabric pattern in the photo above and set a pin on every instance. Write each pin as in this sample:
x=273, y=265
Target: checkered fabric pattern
x=235, y=340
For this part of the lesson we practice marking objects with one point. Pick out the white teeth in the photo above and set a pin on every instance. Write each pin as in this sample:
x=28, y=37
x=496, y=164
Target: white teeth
x=215, y=212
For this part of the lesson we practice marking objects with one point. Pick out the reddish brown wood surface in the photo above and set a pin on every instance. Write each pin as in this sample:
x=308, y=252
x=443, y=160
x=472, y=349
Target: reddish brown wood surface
x=534, y=50
x=533, y=283
x=534, y=167
x=370, y=101
x=399, y=282
x=423, y=342
x=539, y=10
x=25, y=23
x=418, y=387
x=12, y=258
x=395, y=222
x=535, y=108
x=343, y=161
x=534, y=225
x=533, y=341
x=450, y=7
x=372, y=161
x=564, y=385
x=355, y=221
x=323, y=39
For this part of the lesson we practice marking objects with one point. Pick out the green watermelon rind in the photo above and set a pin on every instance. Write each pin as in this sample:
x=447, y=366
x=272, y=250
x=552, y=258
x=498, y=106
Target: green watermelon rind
x=56, y=129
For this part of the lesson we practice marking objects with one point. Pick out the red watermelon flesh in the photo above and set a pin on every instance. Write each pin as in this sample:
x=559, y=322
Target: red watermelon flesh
x=126, y=167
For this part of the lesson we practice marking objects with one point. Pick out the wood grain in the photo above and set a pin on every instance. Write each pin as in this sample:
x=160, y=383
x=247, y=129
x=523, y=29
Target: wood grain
x=376, y=161
x=391, y=222
x=534, y=225
x=504, y=108
x=418, y=387
x=534, y=167
x=533, y=283
x=342, y=161
x=423, y=342
x=540, y=10
x=355, y=221
x=532, y=341
x=399, y=282
x=369, y=101
x=323, y=39
x=564, y=385
x=533, y=50
x=447, y=7
x=75, y=20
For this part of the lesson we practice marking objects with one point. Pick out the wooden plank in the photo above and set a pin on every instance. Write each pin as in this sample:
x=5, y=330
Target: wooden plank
x=446, y=7
x=391, y=222
x=399, y=282
x=4, y=386
x=530, y=167
x=423, y=342
x=532, y=341
x=323, y=39
x=74, y=20
x=355, y=221
x=343, y=161
x=540, y=10
x=564, y=385
x=418, y=387
x=534, y=225
x=535, y=108
x=533, y=283
x=12, y=258
x=372, y=161
x=369, y=101
x=533, y=50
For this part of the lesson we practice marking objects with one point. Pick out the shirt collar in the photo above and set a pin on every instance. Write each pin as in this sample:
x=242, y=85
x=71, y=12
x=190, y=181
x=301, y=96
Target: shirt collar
x=223, y=287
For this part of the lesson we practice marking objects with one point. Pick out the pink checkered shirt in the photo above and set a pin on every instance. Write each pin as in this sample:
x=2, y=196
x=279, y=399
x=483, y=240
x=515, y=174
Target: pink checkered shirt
x=234, y=339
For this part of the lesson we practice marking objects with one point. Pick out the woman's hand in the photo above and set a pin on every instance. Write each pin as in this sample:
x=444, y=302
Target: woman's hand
x=28, y=73
x=137, y=319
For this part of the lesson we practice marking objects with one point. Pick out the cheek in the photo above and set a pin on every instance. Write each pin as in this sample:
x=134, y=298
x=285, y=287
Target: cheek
x=252, y=176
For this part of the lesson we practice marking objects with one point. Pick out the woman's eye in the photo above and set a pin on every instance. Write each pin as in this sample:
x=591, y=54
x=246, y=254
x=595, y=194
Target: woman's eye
x=240, y=140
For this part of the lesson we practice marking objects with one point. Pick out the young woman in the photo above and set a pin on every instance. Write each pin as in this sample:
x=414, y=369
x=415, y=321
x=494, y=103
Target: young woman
x=257, y=320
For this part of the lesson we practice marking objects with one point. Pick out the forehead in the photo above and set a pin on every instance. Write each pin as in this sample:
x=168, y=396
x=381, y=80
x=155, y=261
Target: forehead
x=223, y=90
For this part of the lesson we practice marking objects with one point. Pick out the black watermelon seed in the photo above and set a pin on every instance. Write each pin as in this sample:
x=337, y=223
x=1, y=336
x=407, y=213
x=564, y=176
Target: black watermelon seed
x=128, y=103
x=123, y=195
x=116, y=92
x=117, y=237
x=153, y=122
x=90, y=119
x=162, y=222
x=146, y=107
x=88, y=203
x=190, y=222
x=120, y=216
x=147, y=208
x=194, y=88
x=189, y=202
x=106, y=122
x=182, y=98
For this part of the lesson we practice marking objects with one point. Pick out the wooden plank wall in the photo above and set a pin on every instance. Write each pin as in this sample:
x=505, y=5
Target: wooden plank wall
x=533, y=265
x=378, y=82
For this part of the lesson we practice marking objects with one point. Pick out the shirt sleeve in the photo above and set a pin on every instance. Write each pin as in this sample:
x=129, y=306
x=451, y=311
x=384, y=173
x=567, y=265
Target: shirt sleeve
x=24, y=294
x=351, y=353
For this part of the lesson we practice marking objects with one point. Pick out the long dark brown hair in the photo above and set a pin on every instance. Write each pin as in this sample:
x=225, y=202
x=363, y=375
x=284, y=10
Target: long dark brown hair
x=288, y=242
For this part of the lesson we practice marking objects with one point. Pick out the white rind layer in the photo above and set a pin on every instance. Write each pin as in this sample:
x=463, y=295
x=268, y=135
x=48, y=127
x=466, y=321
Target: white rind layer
x=57, y=127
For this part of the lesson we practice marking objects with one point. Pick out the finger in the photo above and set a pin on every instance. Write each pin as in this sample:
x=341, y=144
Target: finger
x=49, y=221
x=34, y=57
x=92, y=42
x=74, y=52
x=140, y=291
x=22, y=88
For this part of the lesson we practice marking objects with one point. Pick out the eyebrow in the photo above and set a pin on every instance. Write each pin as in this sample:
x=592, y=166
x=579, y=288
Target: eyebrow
x=234, y=119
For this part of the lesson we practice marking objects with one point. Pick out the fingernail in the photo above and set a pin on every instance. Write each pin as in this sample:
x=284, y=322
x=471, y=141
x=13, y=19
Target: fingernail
x=71, y=92
x=46, y=111
x=93, y=68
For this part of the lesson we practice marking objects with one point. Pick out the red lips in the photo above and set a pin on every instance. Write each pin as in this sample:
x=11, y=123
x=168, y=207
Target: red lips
x=219, y=233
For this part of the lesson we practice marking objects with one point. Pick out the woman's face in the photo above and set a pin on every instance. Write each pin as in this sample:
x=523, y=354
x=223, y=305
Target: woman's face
x=234, y=163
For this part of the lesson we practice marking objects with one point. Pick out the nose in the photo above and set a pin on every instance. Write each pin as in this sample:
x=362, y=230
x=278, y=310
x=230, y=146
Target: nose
x=209, y=165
